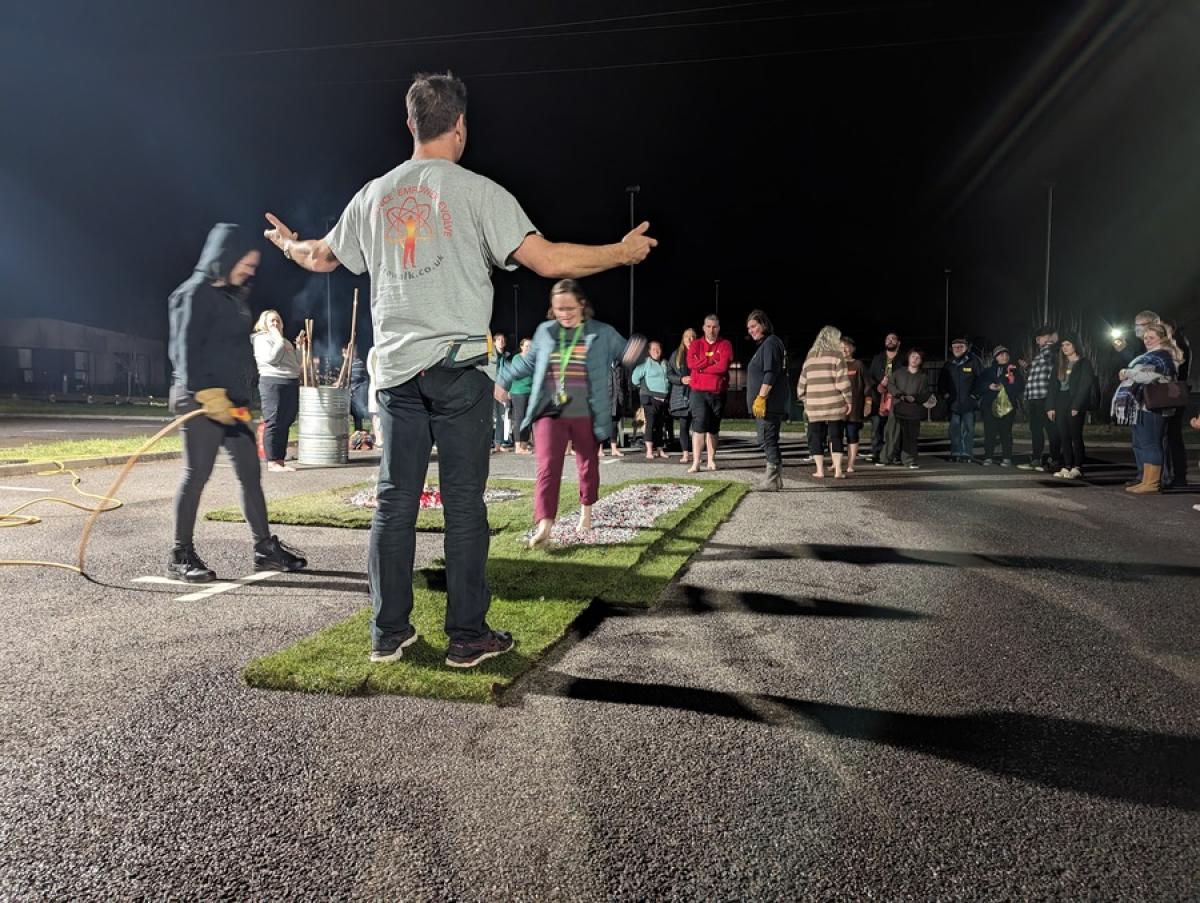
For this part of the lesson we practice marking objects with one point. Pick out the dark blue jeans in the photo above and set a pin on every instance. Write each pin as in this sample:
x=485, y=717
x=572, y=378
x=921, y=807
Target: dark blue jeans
x=962, y=435
x=454, y=409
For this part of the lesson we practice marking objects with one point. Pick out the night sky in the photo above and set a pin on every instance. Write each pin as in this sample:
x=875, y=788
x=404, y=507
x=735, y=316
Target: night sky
x=825, y=161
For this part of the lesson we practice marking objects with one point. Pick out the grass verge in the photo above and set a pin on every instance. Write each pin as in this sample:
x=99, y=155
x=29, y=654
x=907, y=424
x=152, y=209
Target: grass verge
x=73, y=449
x=535, y=594
x=103, y=408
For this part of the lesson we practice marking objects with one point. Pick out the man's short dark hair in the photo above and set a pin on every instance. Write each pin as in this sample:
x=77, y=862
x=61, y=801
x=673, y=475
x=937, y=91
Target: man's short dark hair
x=762, y=320
x=434, y=104
x=1044, y=329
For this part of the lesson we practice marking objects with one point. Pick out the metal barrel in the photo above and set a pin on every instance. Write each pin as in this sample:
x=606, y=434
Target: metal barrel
x=324, y=425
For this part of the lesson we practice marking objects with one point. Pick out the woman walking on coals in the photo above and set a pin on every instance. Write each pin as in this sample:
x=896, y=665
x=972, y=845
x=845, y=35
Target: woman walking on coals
x=209, y=321
x=824, y=388
x=278, y=386
x=570, y=361
x=1067, y=405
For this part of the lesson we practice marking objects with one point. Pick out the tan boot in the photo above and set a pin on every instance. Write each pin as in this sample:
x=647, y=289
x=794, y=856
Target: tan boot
x=1151, y=475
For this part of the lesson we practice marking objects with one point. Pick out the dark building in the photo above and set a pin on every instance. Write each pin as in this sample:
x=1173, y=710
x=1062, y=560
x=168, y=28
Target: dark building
x=40, y=356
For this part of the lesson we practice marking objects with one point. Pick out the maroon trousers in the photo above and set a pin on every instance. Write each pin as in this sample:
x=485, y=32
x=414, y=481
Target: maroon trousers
x=550, y=436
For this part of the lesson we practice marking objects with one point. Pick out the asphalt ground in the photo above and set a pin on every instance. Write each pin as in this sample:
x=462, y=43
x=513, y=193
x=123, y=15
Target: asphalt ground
x=19, y=430
x=953, y=683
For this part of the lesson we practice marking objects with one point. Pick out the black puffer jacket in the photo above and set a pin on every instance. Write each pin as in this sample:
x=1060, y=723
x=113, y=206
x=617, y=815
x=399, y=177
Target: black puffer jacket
x=209, y=324
x=680, y=395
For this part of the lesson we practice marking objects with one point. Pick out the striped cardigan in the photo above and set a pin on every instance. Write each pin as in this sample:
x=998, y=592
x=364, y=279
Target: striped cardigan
x=824, y=388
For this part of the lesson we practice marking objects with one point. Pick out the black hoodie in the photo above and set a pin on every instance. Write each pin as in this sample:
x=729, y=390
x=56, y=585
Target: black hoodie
x=209, y=344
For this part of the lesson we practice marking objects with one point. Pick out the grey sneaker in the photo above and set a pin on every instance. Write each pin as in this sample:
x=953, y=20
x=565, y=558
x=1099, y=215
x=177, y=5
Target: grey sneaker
x=1007, y=462
x=391, y=648
x=468, y=655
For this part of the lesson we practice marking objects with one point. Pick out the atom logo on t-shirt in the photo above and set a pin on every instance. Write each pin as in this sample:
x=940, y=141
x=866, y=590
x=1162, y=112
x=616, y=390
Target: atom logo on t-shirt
x=412, y=220
x=408, y=223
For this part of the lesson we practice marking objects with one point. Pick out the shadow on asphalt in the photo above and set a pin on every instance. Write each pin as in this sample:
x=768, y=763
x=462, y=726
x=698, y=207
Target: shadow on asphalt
x=874, y=555
x=1118, y=763
x=698, y=600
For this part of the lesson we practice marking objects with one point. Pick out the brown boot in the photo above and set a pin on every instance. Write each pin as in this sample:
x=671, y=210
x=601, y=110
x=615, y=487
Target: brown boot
x=1151, y=475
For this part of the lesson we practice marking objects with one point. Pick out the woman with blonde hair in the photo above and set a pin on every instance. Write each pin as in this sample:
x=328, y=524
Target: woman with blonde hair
x=1160, y=363
x=824, y=388
x=278, y=386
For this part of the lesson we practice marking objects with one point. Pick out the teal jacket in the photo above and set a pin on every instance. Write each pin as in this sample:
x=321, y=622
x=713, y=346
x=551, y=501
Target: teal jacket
x=651, y=376
x=604, y=346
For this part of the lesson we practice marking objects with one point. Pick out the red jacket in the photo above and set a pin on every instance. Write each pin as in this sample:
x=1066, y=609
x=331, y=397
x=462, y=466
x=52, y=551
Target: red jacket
x=709, y=364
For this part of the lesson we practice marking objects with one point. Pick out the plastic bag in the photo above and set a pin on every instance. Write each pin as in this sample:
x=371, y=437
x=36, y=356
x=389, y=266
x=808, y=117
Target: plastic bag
x=1003, y=405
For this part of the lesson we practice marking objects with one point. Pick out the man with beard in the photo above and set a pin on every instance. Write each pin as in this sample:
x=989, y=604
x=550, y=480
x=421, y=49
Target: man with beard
x=878, y=375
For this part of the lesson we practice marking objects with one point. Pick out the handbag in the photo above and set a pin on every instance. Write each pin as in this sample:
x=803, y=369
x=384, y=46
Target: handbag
x=1165, y=396
x=885, y=404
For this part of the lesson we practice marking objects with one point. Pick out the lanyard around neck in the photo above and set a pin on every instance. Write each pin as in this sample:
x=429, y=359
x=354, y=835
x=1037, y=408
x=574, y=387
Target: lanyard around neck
x=565, y=351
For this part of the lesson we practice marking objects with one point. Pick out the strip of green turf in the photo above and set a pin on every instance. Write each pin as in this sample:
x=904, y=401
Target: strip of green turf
x=330, y=508
x=536, y=595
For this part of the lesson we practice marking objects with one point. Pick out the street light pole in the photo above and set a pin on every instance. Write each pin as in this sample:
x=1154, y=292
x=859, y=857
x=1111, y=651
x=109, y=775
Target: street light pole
x=1049, y=227
x=631, y=190
x=946, y=346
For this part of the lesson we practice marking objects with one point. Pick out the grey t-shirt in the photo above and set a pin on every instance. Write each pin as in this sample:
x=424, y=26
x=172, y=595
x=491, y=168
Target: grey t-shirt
x=429, y=233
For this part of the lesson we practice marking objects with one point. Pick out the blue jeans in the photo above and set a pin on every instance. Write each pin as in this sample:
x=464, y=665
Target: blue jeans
x=962, y=435
x=452, y=407
x=1149, y=435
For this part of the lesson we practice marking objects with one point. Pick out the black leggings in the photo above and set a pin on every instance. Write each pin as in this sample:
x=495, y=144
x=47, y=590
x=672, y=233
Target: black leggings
x=201, y=440
x=685, y=432
x=1070, y=431
x=658, y=420
x=520, y=404
x=823, y=432
x=280, y=404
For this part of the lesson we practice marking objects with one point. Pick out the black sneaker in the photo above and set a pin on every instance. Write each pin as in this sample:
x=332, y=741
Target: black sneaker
x=468, y=655
x=273, y=555
x=391, y=648
x=186, y=565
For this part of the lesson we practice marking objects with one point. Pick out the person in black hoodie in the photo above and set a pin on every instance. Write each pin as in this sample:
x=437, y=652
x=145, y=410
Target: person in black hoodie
x=1070, y=398
x=767, y=394
x=209, y=322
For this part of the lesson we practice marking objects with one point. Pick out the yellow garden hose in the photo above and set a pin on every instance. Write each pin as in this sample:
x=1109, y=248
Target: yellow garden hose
x=107, y=502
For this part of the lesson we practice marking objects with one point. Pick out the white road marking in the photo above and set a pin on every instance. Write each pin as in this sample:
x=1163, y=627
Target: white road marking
x=210, y=589
x=22, y=489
